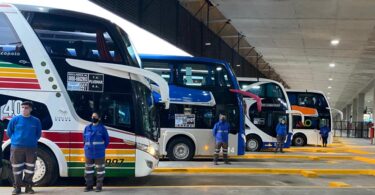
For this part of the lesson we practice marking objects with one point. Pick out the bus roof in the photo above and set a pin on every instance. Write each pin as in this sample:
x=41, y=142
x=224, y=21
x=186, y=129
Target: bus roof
x=257, y=79
x=305, y=91
x=183, y=58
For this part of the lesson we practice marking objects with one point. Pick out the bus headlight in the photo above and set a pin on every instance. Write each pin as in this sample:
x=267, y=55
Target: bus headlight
x=150, y=149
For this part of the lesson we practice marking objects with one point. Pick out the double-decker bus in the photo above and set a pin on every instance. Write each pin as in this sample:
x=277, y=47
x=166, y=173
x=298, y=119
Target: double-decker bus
x=307, y=132
x=261, y=124
x=70, y=64
x=200, y=89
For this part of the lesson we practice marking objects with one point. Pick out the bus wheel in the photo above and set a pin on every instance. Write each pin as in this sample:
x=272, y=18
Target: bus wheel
x=46, y=169
x=253, y=144
x=180, y=149
x=299, y=140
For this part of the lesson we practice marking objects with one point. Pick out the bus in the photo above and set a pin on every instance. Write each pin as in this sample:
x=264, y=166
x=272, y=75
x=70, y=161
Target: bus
x=70, y=64
x=307, y=133
x=261, y=124
x=200, y=89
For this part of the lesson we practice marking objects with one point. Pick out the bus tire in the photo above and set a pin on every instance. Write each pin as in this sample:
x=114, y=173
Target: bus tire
x=46, y=168
x=299, y=140
x=253, y=143
x=180, y=149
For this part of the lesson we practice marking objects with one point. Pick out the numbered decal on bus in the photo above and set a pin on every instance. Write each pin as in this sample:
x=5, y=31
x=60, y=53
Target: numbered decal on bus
x=10, y=109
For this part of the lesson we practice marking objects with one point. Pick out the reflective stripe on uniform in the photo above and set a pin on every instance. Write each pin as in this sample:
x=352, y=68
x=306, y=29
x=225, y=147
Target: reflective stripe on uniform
x=89, y=172
x=100, y=172
x=100, y=166
x=17, y=173
x=30, y=165
x=222, y=131
x=18, y=165
x=28, y=171
x=98, y=143
x=89, y=165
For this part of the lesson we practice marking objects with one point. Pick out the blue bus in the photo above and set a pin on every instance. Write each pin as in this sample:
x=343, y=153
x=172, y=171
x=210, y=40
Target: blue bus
x=200, y=89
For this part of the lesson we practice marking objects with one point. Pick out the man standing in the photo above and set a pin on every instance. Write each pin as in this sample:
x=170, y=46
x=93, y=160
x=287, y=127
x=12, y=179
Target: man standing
x=1, y=149
x=96, y=140
x=281, y=135
x=324, y=132
x=221, y=132
x=24, y=132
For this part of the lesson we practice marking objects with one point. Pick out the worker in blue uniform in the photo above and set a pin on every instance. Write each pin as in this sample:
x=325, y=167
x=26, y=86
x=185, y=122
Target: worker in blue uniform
x=281, y=133
x=221, y=134
x=96, y=140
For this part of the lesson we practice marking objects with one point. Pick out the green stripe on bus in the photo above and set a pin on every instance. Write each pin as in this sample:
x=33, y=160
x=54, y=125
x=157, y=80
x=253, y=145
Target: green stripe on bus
x=122, y=165
x=108, y=172
x=10, y=65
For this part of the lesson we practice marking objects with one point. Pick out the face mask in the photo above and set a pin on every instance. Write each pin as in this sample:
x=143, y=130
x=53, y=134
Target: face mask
x=94, y=120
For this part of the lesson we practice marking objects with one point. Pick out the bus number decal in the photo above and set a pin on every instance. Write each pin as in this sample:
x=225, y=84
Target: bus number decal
x=11, y=108
x=115, y=162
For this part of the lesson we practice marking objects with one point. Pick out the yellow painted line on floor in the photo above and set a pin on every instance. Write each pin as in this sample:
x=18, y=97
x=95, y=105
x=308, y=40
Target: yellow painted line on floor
x=338, y=185
x=265, y=171
x=309, y=174
x=291, y=156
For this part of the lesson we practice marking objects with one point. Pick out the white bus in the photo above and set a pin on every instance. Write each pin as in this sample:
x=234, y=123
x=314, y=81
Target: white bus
x=307, y=133
x=261, y=125
x=71, y=64
x=200, y=89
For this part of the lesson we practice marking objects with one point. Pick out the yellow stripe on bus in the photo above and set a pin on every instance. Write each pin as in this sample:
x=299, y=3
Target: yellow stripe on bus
x=107, y=151
x=18, y=75
x=82, y=159
x=17, y=70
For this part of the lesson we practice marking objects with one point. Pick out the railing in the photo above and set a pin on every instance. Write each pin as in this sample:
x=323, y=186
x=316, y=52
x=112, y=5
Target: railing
x=351, y=129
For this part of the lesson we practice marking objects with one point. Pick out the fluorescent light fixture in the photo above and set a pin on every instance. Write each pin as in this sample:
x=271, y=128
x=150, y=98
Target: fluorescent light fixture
x=219, y=68
x=256, y=87
x=144, y=41
x=330, y=79
x=332, y=65
x=207, y=44
x=335, y=42
x=238, y=65
x=329, y=87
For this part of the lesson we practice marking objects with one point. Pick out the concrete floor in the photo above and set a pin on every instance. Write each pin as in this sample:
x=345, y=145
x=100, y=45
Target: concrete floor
x=204, y=183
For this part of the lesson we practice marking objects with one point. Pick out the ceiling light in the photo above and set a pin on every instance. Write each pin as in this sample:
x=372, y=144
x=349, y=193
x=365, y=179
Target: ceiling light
x=330, y=79
x=335, y=42
x=332, y=65
x=219, y=68
x=329, y=87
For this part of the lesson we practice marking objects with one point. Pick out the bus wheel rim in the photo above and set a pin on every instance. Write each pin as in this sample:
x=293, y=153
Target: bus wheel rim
x=40, y=170
x=252, y=144
x=299, y=141
x=181, y=151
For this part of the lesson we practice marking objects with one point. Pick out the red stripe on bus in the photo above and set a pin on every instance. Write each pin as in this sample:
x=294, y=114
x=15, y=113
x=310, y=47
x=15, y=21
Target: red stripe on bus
x=80, y=145
x=72, y=137
x=4, y=5
x=20, y=80
x=19, y=85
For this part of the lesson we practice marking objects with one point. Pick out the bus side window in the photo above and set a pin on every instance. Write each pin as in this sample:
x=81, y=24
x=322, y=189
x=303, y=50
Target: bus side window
x=12, y=52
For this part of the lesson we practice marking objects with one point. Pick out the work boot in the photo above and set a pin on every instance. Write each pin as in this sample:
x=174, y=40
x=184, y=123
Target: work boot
x=16, y=190
x=29, y=189
x=215, y=163
x=227, y=162
x=88, y=189
x=98, y=189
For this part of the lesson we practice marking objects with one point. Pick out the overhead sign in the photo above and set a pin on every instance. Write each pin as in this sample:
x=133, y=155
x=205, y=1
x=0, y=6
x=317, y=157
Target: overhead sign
x=89, y=82
x=184, y=120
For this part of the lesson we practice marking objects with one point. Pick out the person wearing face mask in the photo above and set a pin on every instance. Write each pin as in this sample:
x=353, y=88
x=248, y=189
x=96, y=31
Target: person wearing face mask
x=221, y=133
x=96, y=140
x=281, y=135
